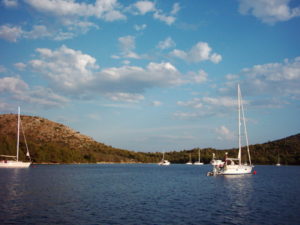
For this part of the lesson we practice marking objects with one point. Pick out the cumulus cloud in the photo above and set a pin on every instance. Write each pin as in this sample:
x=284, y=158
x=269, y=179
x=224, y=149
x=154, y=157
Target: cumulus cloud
x=10, y=33
x=271, y=79
x=200, y=52
x=156, y=103
x=209, y=102
x=66, y=68
x=71, y=19
x=127, y=45
x=19, y=90
x=14, y=33
x=269, y=11
x=125, y=97
x=144, y=7
x=199, y=77
x=104, y=9
x=140, y=27
x=20, y=66
x=77, y=74
x=224, y=133
x=167, y=43
x=207, y=106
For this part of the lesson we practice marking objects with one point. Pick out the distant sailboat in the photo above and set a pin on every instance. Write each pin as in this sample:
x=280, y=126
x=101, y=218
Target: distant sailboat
x=163, y=161
x=14, y=162
x=278, y=160
x=234, y=166
x=190, y=161
x=199, y=161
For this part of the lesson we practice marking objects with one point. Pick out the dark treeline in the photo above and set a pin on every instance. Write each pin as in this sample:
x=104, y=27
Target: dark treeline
x=51, y=142
x=287, y=149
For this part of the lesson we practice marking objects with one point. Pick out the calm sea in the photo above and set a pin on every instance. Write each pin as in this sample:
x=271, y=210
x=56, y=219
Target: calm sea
x=147, y=194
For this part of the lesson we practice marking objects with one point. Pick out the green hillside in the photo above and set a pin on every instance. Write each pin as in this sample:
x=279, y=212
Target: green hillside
x=51, y=142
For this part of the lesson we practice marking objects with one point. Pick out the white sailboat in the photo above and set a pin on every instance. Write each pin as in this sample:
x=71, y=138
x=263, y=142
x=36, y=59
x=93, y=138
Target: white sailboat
x=199, y=163
x=278, y=160
x=14, y=160
x=163, y=161
x=190, y=161
x=234, y=166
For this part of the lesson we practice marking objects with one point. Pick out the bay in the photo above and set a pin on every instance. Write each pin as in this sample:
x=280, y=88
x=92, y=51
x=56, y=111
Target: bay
x=138, y=194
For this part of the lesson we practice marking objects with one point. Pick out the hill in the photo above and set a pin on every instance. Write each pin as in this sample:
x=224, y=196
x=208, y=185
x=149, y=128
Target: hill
x=51, y=142
x=287, y=148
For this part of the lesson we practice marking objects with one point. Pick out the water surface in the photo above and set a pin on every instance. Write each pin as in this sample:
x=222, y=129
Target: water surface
x=147, y=194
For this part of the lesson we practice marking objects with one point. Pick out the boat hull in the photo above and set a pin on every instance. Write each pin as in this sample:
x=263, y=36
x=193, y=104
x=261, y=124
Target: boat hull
x=198, y=163
x=14, y=164
x=236, y=170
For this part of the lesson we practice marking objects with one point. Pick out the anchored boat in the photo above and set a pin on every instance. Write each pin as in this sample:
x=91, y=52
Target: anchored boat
x=234, y=166
x=12, y=161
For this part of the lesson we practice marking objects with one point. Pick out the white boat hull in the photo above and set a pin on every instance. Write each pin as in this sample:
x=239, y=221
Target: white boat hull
x=198, y=163
x=164, y=163
x=236, y=170
x=14, y=164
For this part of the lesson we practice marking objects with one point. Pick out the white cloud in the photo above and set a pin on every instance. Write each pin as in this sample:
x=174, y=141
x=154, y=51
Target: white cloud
x=140, y=27
x=224, y=133
x=200, y=52
x=207, y=106
x=104, y=9
x=167, y=43
x=14, y=33
x=10, y=3
x=176, y=8
x=199, y=77
x=13, y=85
x=10, y=33
x=169, y=20
x=269, y=11
x=65, y=67
x=156, y=103
x=19, y=90
x=127, y=45
x=20, y=66
x=75, y=73
x=272, y=79
x=125, y=97
x=272, y=85
x=144, y=7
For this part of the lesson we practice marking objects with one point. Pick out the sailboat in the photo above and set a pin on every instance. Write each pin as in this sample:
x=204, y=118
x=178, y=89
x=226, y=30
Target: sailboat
x=190, y=161
x=163, y=161
x=278, y=160
x=14, y=161
x=198, y=162
x=234, y=166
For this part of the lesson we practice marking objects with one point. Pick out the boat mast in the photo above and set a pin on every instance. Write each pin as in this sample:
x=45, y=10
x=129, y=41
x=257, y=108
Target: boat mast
x=239, y=124
x=245, y=129
x=18, y=136
x=199, y=154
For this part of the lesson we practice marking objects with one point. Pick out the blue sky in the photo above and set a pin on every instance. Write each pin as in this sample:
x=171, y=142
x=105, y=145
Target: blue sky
x=154, y=75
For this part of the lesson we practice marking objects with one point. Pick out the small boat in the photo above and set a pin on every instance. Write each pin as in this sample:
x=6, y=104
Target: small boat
x=199, y=163
x=14, y=161
x=278, y=160
x=163, y=161
x=190, y=161
x=234, y=166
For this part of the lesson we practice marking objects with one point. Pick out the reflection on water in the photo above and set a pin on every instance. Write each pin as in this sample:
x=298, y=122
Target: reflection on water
x=147, y=194
x=12, y=192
